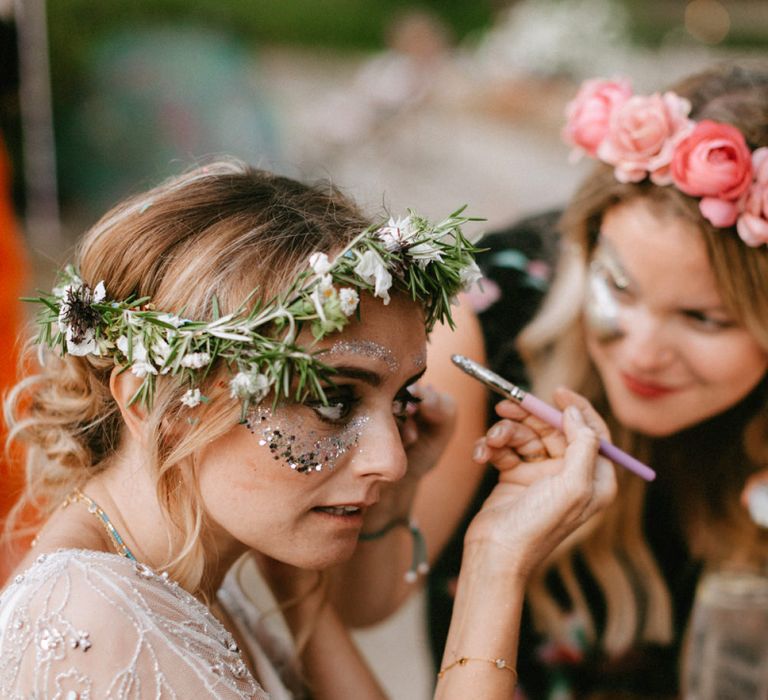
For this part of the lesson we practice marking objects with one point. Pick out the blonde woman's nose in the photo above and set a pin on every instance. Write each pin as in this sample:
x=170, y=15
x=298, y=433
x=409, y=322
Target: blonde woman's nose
x=380, y=451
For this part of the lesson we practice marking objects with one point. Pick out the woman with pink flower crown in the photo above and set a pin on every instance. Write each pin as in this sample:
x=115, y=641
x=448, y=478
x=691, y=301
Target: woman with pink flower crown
x=658, y=313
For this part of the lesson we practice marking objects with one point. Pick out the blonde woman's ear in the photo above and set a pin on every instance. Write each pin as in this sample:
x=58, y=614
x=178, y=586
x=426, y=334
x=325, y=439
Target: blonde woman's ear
x=124, y=386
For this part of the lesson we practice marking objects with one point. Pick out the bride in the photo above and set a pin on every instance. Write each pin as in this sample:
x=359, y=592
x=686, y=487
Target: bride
x=229, y=370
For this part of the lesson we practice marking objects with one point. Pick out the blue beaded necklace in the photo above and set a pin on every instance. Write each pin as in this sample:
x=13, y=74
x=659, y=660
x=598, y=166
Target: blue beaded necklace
x=95, y=509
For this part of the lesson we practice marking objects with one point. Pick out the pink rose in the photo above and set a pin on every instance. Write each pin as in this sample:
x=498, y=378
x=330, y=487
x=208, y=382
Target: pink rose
x=752, y=225
x=714, y=163
x=643, y=134
x=588, y=114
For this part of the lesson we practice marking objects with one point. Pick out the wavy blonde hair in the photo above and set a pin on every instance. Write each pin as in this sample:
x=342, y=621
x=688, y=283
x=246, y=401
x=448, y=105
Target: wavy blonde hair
x=220, y=230
x=715, y=525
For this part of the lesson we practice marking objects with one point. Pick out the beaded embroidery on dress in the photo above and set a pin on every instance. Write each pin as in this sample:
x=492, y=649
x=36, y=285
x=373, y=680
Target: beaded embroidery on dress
x=65, y=621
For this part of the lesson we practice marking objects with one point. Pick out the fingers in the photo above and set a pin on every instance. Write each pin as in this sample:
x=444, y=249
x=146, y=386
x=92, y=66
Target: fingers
x=565, y=397
x=550, y=438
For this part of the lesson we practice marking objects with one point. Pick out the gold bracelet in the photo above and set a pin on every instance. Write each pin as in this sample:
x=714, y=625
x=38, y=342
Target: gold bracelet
x=501, y=664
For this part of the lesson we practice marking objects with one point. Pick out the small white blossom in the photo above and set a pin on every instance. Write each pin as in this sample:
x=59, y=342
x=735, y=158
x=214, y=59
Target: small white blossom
x=371, y=269
x=87, y=346
x=320, y=264
x=348, y=300
x=397, y=234
x=191, y=398
x=249, y=385
x=196, y=360
x=470, y=275
x=100, y=293
x=425, y=253
x=170, y=318
x=160, y=352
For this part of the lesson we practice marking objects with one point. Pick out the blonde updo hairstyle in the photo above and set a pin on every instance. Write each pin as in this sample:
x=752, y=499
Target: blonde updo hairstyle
x=714, y=523
x=220, y=230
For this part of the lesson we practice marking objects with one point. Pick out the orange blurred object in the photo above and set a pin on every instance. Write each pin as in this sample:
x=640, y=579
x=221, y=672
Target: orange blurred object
x=12, y=276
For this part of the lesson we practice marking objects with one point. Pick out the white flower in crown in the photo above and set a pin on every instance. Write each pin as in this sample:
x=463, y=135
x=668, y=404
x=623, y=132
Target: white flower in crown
x=470, y=275
x=161, y=350
x=320, y=264
x=141, y=365
x=171, y=319
x=74, y=312
x=249, y=385
x=425, y=253
x=195, y=360
x=192, y=398
x=372, y=270
x=397, y=234
x=348, y=300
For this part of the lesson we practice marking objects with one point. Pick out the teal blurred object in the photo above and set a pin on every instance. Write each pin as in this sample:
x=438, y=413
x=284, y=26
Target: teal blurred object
x=156, y=101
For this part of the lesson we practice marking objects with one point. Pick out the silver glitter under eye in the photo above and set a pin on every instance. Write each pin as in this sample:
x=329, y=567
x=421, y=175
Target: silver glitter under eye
x=304, y=451
x=601, y=310
x=366, y=348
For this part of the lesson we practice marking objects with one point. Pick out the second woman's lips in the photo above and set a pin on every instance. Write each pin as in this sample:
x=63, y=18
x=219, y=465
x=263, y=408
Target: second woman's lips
x=645, y=388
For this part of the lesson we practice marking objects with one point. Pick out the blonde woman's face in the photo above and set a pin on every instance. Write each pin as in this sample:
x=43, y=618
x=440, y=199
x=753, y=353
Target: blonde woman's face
x=675, y=356
x=295, y=482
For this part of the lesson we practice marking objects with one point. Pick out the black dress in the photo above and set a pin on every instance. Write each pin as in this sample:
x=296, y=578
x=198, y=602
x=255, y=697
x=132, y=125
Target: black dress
x=518, y=267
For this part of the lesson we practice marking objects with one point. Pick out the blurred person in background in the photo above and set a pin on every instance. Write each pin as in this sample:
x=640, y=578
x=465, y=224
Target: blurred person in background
x=658, y=313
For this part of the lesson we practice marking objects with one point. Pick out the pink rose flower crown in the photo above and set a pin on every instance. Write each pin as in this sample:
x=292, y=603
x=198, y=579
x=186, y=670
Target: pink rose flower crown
x=653, y=137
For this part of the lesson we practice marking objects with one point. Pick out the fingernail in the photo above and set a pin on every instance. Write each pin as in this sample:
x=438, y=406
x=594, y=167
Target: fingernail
x=573, y=413
x=758, y=504
x=495, y=432
x=479, y=453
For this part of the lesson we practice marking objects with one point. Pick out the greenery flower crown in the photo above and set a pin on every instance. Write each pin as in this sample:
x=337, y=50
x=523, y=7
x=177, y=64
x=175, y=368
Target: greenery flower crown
x=257, y=342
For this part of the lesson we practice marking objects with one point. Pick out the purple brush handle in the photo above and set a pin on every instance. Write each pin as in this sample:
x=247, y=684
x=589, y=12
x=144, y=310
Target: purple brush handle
x=551, y=415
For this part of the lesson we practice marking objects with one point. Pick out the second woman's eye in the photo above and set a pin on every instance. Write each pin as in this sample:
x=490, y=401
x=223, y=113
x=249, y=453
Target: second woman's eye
x=401, y=403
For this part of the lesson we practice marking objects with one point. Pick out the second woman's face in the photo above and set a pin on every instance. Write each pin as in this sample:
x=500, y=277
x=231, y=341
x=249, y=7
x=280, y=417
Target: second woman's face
x=295, y=482
x=675, y=356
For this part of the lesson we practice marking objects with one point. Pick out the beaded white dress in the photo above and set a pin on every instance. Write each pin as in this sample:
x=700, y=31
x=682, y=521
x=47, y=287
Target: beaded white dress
x=85, y=625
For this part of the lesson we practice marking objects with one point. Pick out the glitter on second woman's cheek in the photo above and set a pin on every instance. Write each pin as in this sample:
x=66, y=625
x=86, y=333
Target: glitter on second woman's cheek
x=306, y=451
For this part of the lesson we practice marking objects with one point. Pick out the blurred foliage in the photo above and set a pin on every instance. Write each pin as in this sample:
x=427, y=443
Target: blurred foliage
x=348, y=24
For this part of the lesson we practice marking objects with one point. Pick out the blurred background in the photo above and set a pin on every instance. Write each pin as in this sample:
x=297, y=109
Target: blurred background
x=429, y=104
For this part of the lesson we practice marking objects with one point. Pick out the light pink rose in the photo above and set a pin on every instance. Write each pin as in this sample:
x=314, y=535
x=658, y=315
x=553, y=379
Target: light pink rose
x=642, y=136
x=588, y=114
x=752, y=225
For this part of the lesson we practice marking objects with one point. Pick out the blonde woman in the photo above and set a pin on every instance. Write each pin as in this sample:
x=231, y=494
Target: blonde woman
x=658, y=313
x=226, y=372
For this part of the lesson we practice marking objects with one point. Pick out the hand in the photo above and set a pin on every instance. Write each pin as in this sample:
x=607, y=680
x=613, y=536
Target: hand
x=427, y=429
x=550, y=482
x=754, y=497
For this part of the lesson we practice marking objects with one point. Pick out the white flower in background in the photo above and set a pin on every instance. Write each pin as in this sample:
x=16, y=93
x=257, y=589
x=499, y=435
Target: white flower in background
x=397, y=234
x=348, y=300
x=320, y=264
x=100, y=293
x=371, y=269
x=470, y=275
x=249, y=385
x=192, y=398
x=196, y=360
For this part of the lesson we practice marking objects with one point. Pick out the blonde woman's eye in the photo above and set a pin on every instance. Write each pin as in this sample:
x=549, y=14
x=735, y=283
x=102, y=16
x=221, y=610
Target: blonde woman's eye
x=338, y=408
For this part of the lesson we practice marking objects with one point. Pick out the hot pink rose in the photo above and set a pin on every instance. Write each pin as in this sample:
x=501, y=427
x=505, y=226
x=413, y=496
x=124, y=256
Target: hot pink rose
x=752, y=225
x=642, y=136
x=589, y=113
x=714, y=162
